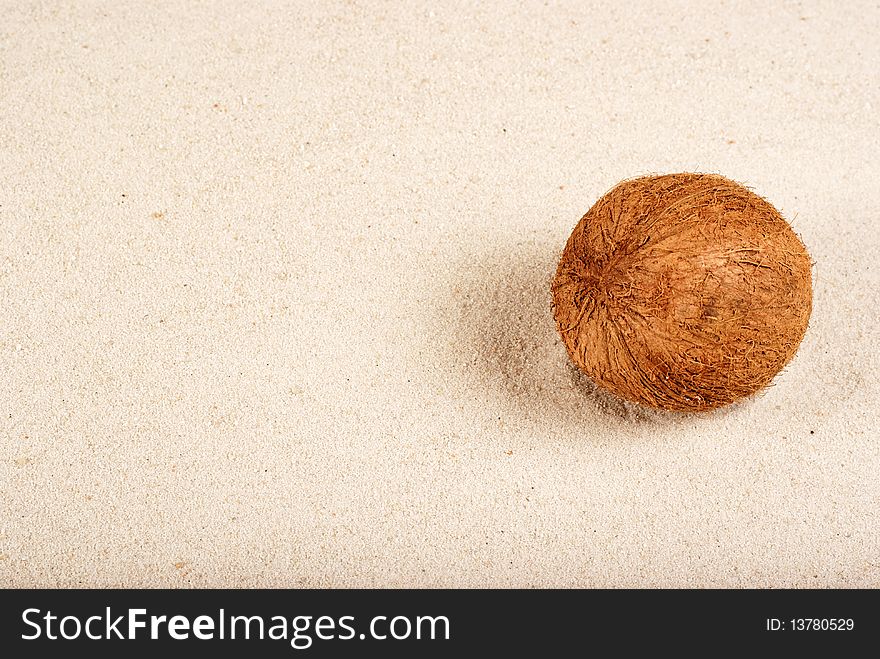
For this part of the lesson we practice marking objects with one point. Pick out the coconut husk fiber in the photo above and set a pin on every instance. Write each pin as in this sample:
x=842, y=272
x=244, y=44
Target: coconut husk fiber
x=682, y=292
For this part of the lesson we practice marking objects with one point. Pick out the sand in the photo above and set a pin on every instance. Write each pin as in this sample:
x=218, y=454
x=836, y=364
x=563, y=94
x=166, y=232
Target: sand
x=274, y=285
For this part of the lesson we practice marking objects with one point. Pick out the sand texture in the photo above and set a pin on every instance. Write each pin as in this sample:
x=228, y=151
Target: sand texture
x=274, y=283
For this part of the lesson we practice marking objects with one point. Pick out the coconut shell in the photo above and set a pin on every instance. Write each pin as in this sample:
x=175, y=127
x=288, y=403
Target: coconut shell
x=682, y=292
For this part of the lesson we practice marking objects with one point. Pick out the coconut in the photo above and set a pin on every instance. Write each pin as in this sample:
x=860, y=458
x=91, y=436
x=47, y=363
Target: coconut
x=682, y=292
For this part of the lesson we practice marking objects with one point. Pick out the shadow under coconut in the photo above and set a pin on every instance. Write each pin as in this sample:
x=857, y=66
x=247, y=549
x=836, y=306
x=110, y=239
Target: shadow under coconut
x=505, y=321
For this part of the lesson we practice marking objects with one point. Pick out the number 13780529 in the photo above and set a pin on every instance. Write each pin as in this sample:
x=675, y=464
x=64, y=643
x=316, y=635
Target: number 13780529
x=810, y=624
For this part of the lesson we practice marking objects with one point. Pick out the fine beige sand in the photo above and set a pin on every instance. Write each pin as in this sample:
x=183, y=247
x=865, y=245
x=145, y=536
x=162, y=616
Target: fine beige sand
x=275, y=309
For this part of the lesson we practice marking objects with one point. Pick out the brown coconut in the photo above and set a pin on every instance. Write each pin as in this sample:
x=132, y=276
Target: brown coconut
x=682, y=292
